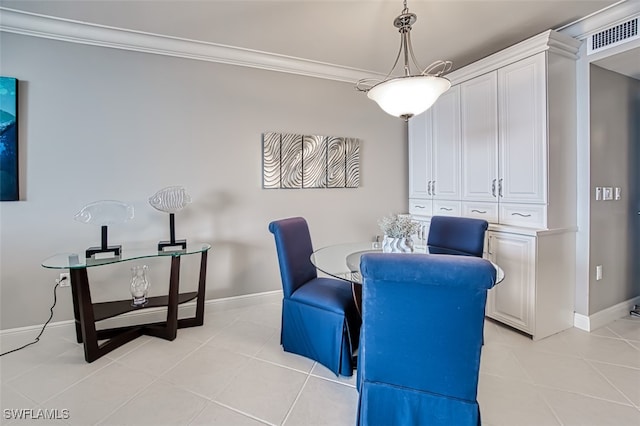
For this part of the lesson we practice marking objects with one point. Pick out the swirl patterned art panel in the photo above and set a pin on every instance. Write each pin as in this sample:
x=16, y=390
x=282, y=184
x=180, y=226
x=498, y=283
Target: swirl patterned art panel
x=309, y=161
x=271, y=160
x=291, y=161
x=336, y=170
x=314, y=162
x=352, y=162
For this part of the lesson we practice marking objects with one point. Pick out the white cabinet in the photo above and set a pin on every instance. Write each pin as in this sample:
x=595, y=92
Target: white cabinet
x=446, y=146
x=503, y=139
x=511, y=301
x=479, y=139
x=501, y=145
x=434, y=151
x=537, y=293
x=420, y=175
x=522, y=110
x=514, y=144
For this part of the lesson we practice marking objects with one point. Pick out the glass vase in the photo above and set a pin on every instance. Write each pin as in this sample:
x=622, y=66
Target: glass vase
x=139, y=285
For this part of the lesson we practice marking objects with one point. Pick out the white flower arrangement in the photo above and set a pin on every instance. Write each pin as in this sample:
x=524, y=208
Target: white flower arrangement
x=398, y=226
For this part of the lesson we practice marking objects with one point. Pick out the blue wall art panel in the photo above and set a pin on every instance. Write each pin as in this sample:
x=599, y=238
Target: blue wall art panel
x=8, y=139
x=309, y=161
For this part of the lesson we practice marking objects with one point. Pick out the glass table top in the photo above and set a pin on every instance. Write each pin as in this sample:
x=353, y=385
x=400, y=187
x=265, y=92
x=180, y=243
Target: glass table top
x=343, y=260
x=78, y=260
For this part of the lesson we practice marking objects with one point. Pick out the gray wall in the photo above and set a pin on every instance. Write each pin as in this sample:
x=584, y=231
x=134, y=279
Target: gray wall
x=614, y=230
x=98, y=123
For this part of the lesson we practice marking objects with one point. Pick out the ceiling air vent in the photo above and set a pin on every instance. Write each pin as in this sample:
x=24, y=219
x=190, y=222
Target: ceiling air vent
x=613, y=36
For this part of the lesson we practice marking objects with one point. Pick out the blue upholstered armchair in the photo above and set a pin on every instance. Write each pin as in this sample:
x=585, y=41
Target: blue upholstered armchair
x=319, y=316
x=421, y=338
x=456, y=235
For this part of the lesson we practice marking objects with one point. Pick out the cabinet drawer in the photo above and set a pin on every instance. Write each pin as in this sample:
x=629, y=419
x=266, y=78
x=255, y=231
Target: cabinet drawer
x=420, y=207
x=526, y=215
x=446, y=208
x=486, y=211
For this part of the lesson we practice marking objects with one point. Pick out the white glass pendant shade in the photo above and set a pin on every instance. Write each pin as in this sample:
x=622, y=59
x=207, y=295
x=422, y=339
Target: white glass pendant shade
x=410, y=95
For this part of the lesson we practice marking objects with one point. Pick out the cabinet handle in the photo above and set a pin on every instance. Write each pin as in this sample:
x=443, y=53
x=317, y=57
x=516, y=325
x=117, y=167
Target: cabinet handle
x=429, y=187
x=493, y=188
x=433, y=187
x=520, y=214
x=500, y=187
x=418, y=206
x=489, y=244
x=479, y=211
x=446, y=209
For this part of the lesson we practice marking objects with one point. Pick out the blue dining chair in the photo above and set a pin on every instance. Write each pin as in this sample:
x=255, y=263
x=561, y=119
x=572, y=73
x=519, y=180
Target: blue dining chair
x=319, y=316
x=421, y=338
x=456, y=235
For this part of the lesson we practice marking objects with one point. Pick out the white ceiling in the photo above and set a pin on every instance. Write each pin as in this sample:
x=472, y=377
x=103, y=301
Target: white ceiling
x=352, y=33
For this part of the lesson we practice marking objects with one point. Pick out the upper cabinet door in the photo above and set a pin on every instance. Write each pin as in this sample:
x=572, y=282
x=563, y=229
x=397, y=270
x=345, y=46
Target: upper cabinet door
x=420, y=155
x=523, y=136
x=446, y=146
x=479, y=134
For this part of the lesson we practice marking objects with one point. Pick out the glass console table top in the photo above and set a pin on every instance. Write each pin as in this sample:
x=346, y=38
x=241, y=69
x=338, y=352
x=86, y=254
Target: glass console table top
x=343, y=260
x=78, y=260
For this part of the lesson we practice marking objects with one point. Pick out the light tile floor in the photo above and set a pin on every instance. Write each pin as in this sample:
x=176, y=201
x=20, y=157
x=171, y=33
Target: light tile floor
x=232, y=371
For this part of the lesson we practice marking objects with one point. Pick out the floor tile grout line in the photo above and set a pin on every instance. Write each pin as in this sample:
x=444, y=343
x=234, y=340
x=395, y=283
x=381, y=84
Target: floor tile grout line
x=288, y=367
x=556, y=389
x=139, y=392
x=317, y=376
x=92, y=373
x=612, y=363
x=251, y=416
x=610, y=382
x=522, y=366
x=295, y=401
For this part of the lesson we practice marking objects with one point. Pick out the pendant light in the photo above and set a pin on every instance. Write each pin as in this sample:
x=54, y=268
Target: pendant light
x=408, y=94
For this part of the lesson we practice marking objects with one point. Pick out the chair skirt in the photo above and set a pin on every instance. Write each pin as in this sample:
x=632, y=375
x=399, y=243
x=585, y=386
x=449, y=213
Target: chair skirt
x=318, y=334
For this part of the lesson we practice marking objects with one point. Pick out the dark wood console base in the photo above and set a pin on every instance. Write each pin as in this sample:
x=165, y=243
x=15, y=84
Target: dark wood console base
x=87, y=313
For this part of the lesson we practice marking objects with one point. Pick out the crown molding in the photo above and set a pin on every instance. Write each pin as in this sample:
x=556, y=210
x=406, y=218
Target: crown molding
x=43, y=26
x=610, y=16
x=549, y=40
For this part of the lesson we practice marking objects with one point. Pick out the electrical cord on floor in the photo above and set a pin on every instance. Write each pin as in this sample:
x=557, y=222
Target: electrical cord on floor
x=37, y=339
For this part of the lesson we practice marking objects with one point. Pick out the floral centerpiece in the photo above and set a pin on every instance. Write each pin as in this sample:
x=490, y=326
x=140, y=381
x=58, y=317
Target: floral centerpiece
x=398, y=230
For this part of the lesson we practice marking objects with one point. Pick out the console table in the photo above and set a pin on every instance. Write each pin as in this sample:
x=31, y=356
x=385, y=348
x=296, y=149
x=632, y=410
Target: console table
x=87, y=313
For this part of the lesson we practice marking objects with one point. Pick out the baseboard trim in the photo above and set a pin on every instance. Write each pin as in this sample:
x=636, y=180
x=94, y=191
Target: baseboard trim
x=605, y=316
x=156, y=314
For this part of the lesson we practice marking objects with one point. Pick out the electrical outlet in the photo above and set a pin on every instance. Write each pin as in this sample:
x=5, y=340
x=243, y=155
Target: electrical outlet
x=65, y=279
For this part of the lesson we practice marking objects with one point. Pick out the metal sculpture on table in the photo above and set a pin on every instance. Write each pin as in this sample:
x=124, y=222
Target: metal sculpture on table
x=171, y=200
x=104, y=213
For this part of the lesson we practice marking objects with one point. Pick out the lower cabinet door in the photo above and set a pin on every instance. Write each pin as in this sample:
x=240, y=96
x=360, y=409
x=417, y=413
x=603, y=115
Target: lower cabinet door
x=512, y=300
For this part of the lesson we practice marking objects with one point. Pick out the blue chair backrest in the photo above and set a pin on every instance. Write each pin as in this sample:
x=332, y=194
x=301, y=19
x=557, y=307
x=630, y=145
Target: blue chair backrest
x=294, y=248
x=460, y=234
x=422, y=321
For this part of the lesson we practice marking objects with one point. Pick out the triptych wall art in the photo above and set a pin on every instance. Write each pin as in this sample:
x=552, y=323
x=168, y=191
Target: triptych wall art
x=8, y=139
x=309, y=161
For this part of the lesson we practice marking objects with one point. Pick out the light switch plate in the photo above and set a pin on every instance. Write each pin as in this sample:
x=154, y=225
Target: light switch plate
x=617, y=194
x=598, y=193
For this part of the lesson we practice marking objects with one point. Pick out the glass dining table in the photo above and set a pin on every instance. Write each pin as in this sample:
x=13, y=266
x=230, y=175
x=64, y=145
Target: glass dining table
x=342, y=261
